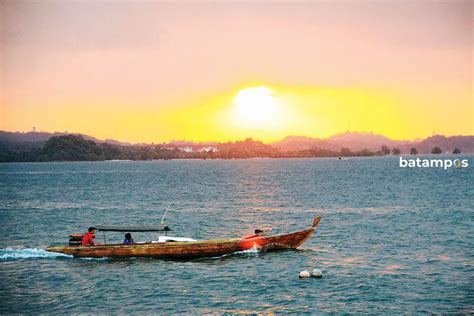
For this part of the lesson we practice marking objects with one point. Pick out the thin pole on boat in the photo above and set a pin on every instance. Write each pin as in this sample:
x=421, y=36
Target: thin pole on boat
x=163, y=218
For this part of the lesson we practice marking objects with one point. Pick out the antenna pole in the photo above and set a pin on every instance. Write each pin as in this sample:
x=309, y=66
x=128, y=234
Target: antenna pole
x=162, y=219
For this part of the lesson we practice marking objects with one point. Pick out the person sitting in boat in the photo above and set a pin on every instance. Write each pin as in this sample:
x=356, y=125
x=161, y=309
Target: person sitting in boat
x=257, y=233
x=88, y=239
x=128, y=239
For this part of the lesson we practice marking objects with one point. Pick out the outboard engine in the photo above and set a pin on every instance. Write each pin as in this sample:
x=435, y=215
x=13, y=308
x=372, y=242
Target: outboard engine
x=75, y=239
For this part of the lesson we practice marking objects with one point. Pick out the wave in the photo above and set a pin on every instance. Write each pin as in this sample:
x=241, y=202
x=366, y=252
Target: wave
x=36, y=253
x=29, y=253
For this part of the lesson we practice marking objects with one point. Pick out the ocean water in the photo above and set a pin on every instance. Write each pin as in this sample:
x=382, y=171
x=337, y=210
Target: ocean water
x=391, y=240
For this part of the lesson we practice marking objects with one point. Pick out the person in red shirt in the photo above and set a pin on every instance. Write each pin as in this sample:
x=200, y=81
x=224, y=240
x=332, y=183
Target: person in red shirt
x=88, y=239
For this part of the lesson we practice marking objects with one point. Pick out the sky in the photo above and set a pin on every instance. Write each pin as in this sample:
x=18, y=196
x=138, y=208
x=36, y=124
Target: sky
x=156, y=71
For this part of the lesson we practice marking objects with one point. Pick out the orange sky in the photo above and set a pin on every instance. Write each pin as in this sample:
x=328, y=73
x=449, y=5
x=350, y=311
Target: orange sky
x=157, y=71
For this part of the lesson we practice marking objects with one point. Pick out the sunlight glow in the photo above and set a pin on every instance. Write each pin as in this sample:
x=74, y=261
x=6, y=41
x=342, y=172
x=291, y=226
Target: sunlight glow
x=255, y=106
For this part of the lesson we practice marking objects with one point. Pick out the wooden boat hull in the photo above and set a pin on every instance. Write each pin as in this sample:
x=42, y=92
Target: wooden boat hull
x=189, y=250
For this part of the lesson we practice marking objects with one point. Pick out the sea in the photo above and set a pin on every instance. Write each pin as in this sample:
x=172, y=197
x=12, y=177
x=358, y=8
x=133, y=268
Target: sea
x=391, y=240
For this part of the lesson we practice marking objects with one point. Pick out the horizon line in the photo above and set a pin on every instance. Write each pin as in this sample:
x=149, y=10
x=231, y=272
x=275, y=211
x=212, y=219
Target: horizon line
x=237, y=140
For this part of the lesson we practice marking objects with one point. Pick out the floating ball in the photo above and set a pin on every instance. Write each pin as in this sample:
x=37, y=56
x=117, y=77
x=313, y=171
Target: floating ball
x=304, y=274
x=316, y=273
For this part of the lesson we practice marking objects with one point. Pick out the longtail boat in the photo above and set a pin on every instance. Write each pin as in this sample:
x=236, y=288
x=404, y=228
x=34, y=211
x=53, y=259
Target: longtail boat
x=176, y=248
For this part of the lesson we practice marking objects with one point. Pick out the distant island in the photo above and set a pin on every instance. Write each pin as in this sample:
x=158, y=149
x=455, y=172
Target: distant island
x=42, y=147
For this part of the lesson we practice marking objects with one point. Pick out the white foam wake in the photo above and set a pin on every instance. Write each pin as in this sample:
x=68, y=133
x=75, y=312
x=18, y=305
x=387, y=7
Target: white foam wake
x=28, y=253
x=249, y=252
x=253, y=250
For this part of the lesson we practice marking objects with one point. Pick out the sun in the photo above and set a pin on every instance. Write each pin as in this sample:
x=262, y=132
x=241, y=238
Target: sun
x=256, y=106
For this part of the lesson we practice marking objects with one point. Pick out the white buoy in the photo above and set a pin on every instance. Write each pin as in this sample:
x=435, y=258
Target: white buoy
x=316, y=273
x=304, y=274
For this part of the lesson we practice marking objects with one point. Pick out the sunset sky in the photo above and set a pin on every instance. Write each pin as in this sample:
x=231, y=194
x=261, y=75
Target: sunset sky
x=155, y=71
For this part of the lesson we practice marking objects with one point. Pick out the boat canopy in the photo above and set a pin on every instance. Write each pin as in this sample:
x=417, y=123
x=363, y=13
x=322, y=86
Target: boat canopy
x=106, y=228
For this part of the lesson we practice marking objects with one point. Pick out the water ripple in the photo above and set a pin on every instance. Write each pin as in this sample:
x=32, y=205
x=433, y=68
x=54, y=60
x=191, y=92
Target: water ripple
x=391, y=241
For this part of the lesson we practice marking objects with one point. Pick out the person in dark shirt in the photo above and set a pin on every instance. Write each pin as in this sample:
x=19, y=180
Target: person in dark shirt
x=128, y=239
x=258, y=233
x=88, y=239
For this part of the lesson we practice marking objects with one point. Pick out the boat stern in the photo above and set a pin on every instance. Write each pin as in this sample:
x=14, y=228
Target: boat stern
x=60, y=249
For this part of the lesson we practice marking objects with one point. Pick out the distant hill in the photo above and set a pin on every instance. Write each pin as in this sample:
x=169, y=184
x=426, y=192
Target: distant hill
x=358, y=141
x=40, y=146
x=447, y=144
x=42, y=137
x=352, y=141
x=33, y=137
x=370, y=141
x=17, y=141
x=77, y=148
x=295, y=143
x=246, y=149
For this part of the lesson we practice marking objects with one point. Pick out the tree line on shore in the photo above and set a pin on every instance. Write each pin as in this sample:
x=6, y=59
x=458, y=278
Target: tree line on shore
x=76, y=148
